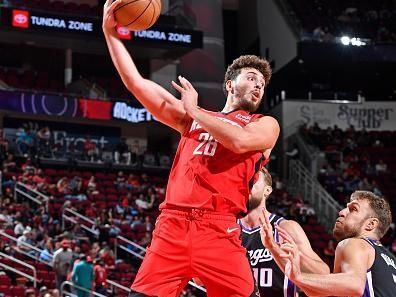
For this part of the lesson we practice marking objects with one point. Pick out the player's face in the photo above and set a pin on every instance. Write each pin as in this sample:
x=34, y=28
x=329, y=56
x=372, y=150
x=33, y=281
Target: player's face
x=248, y=89
x=259, y=192
x=351, y=220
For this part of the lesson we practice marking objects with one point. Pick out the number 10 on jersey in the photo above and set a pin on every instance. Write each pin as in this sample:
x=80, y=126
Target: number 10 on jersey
x=207, y=145
x=263, y=276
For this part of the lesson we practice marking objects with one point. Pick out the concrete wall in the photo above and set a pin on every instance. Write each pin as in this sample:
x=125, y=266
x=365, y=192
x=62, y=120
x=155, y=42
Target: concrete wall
x=275, y=33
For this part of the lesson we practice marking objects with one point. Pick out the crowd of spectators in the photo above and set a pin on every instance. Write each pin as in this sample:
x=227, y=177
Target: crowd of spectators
x=32, y=140
x=356, y=160
x=119, y=203
x=126, y=202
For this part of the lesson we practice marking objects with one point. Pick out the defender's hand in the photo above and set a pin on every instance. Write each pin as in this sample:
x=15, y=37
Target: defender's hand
x=266, y=232
x=291, y=254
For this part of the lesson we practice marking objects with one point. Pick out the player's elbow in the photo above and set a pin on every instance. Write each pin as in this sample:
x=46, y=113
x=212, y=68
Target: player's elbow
x=132, y=85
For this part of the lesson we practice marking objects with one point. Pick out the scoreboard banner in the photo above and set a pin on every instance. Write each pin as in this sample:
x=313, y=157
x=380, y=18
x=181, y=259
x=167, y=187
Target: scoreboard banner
x=67, y=106
x=41, y=22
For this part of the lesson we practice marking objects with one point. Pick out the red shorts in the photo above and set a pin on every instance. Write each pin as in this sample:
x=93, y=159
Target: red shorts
x=195, y=243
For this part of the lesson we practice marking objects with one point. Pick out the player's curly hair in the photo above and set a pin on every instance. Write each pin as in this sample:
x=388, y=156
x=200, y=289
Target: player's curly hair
x=379, y=206
x=247, y=61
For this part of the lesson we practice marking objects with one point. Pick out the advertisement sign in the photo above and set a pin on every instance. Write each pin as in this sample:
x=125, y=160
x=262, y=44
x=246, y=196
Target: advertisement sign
x=122, y=111
x=369, y=115
x=27, y=19
x=54, y=105
x=41, y=21
x=65, y=136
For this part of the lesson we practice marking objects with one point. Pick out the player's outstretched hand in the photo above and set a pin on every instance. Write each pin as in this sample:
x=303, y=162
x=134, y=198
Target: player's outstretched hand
x=291, y=254
x=109, y=21
x=189, y=95
x=266, y=231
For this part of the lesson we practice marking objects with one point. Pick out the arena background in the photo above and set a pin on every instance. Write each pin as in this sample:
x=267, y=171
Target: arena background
x=83, y=160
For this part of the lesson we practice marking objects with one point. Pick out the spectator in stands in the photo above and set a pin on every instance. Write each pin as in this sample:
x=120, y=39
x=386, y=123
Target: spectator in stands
x=63, y=185
x=30, y=293
x=83, y=275
x=136, y=222
x=369, y=168
x=76, y=185
x=114, y=230
x=145, y=202
x=45, y=292
x=76, y=189
x=43, y=135
x=147, y=224
x=92, y=211
x=10, y=163
x=91, y=186
x=79, y=235
x=46, y=253
x=40, y=180
x=107, y=255
x=145, y=240
x=122, y=151
x=133, y=181
x=62, y=261
x=95, y=248
x=24, y=141
x=103, y=230
x=91, y=151
x=100, y=273
x=26, y=238
x=19, y=228
x=120, y=181
x=5, y=217
x=365, y=185
x=145, y=181
x=381, y=167
x=44, y=143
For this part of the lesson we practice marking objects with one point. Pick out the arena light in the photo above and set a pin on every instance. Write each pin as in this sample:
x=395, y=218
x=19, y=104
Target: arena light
x=345, y=40
x=354, y=41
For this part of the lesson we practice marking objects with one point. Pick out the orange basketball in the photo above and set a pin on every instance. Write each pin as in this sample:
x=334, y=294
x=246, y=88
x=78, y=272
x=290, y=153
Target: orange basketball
x=137, y=14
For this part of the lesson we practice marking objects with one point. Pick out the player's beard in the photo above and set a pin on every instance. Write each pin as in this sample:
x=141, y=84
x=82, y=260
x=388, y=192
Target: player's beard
x=244, y=99
x=254, y=202
x=247, y=105
x=342, y=231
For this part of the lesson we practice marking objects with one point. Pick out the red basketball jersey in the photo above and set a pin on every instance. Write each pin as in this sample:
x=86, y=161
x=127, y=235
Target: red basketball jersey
x=207, y=175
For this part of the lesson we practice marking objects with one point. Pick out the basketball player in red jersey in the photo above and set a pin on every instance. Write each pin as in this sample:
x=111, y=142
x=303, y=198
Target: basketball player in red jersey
x=197, y=234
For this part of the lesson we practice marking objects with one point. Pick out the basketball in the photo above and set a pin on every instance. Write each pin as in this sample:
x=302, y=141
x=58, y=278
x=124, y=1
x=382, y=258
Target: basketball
x=137, y=15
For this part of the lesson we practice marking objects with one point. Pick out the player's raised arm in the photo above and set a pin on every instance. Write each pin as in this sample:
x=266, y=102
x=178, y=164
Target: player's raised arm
x=158, y=101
